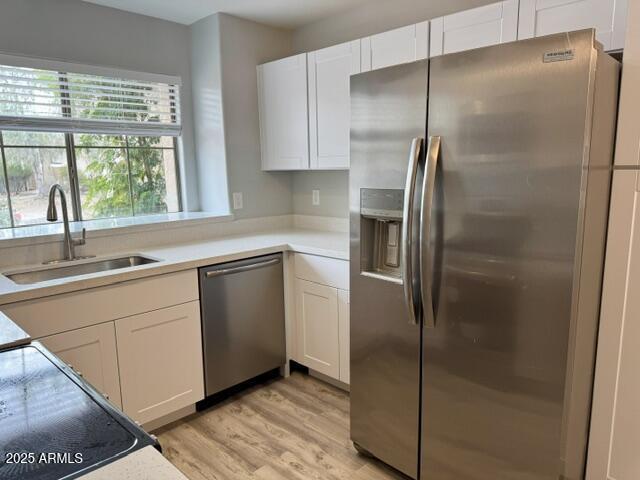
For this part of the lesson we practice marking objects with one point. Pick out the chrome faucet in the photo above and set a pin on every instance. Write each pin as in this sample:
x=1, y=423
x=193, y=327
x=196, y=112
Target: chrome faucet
x=70, y=243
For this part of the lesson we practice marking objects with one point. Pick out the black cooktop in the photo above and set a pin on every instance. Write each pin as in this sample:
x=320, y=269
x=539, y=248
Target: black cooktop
x=53, y=425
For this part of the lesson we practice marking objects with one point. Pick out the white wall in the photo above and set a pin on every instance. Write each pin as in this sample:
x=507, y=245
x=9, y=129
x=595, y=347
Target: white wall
x=225, y=51
x=210, y=152
x=244, y=45
x=615, y=416
x=81, y=32
x=333, y=186
x=374, y=17
x=362, y=21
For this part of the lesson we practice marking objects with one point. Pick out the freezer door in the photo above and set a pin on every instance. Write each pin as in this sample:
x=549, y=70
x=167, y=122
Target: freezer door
x=513, y=122
x=388, y=109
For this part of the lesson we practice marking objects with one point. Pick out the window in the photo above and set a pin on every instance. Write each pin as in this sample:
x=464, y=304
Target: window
x=110, y=143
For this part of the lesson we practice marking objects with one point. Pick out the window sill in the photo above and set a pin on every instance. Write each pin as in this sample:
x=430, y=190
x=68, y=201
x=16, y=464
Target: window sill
x=46, y=233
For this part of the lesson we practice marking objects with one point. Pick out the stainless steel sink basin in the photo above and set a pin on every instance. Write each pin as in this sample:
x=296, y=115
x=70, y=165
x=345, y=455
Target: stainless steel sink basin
x=72, y=269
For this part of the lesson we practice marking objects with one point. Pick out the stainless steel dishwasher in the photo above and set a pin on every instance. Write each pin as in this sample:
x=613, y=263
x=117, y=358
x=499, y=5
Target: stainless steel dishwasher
x=243, y=334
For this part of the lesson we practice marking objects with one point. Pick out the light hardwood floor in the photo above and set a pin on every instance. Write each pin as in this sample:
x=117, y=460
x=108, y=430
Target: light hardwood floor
x=295, y=428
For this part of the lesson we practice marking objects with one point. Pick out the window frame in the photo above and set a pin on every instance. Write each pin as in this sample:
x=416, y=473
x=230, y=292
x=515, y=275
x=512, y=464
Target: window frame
x=74, y=184
x=62, y=124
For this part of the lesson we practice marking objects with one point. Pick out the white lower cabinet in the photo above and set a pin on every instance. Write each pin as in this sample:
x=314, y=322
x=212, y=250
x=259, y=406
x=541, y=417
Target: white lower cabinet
x=141, y=344
x=160, y=361
x=92, y=352
x=318, y=328
x=321, y=324
x=344, y=335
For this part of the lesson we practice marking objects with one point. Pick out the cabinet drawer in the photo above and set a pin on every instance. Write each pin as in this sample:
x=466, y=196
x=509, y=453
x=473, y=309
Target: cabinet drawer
x=323, y=270
x=70, y=311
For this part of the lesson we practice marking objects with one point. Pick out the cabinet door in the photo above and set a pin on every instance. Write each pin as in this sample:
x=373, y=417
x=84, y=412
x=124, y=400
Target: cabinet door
x=544, y=17
x=402, y=45
x=329, y=71
x=160, y=360
x=475, y=28
x=282, y=97
x=317, y=327
x=344, y=326
x=92, y=352
x=615, y=417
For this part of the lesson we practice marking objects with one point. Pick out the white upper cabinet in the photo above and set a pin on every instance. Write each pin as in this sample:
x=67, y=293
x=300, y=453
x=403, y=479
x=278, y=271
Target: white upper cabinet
x=475, y=28
x=282, y=97
x=544, y=17
x=329, y=71
x=402, y=45
x=304, y=99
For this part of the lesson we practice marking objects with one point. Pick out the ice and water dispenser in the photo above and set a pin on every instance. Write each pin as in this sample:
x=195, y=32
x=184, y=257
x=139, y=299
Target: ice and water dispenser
x=381, y=232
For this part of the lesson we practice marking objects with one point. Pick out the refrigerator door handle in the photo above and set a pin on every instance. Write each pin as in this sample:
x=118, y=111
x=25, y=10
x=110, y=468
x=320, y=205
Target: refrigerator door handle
x=407, y=229
x=426, y=206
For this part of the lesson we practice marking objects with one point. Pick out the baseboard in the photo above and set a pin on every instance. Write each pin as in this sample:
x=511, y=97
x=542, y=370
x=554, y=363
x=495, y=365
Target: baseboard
x=169, y=418
x=218, y=397
x=329, y=380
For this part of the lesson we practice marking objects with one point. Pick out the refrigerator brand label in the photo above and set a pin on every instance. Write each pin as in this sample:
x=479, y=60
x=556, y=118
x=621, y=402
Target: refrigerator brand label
x=558, y=56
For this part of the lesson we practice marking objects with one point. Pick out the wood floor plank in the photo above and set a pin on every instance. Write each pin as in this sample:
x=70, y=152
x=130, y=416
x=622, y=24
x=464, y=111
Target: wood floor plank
x=327, y=395
x=300, y=427
x=291, y=429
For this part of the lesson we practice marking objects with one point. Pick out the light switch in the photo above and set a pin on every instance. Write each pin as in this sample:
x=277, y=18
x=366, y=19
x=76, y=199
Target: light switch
x=315, y=197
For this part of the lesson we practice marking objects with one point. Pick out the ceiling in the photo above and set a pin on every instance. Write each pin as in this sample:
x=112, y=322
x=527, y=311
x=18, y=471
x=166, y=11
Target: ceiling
x=277, y=13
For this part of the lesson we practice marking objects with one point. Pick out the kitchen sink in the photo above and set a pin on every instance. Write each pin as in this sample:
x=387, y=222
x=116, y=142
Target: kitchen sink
x=74, y=268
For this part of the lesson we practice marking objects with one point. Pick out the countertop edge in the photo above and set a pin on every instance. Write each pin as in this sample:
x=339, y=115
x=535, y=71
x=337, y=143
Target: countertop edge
x=144, y=464
x=163, y=267
x=11, y=335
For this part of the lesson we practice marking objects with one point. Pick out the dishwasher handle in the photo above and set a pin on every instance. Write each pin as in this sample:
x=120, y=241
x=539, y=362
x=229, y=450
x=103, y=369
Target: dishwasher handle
x=243, y=268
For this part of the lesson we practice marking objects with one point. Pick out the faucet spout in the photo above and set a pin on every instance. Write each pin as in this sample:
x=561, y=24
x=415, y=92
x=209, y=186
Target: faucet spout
x=52, y=213
x=52, y=216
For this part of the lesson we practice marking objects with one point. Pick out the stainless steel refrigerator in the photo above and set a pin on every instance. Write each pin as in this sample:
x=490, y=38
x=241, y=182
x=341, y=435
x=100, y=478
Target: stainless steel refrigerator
x=479, y=193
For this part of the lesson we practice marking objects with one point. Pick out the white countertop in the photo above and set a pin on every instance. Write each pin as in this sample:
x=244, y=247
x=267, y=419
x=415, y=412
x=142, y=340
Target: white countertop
x=186, y=256
x=144, y=464
x=11, y=335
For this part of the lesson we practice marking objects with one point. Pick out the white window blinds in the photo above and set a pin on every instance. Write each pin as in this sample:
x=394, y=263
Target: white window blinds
x=61, y=101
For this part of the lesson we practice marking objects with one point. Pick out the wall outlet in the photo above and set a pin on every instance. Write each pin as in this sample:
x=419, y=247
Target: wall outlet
x=237, y=200
x=315, y=197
